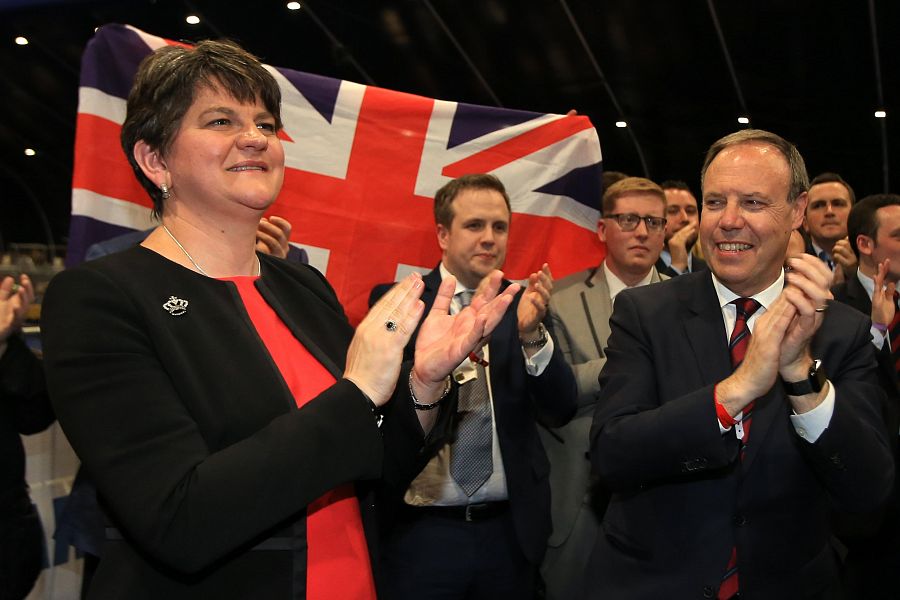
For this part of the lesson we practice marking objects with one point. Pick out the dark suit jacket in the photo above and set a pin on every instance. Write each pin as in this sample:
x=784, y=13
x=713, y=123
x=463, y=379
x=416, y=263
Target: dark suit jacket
x=876, y=531
x=520, y=401
x=190, y=433
x=682, y=497
x=697, y=265
x=852, y=293
x=81, y=522
x=24, y=409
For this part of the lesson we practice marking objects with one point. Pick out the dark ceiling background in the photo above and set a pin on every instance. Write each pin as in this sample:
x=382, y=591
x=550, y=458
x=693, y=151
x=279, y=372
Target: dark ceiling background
x=805, y=69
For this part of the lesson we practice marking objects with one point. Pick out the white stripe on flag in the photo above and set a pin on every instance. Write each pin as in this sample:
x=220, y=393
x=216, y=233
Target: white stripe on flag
x=318, y=257
x=92, y=101
x=319, y=146
x=110, y=210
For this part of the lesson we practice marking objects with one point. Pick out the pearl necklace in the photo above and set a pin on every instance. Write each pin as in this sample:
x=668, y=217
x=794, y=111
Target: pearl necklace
x=194, y=262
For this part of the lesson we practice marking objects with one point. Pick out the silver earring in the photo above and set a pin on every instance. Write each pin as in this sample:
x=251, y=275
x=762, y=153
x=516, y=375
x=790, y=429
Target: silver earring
x=165, y=191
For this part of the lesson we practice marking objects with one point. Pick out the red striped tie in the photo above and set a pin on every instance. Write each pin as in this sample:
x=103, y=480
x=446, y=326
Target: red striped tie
x=737, y=347
x=894, y=332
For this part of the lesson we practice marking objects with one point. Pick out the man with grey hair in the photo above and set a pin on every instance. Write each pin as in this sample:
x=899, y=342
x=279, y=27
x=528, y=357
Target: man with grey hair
x=737, y=406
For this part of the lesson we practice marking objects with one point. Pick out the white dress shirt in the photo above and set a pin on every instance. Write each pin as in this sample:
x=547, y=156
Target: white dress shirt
x=616, y=285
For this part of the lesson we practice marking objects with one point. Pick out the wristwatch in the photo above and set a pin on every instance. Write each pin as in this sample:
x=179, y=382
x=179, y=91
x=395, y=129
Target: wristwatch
x=540, y=341
x=813, y=383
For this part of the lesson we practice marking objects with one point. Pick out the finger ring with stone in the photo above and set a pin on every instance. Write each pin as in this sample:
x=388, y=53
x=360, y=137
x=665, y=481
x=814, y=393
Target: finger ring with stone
x=390, y=325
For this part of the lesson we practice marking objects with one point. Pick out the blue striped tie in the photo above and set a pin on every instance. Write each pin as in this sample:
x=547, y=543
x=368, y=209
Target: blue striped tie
x=471, y=463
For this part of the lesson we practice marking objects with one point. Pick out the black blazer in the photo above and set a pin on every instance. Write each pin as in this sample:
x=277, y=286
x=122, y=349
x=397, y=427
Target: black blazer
x=682, y=498
x=879, y=530
x=185, y=424
x=520, y=401
x=24, y=409
x=852, y=293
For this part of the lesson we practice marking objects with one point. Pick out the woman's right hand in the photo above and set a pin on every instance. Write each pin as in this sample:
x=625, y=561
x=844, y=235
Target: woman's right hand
x=445, y=340
x=15, y=298
x=376, y=352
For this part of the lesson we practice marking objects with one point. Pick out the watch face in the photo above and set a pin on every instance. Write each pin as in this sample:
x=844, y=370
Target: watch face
x=817, y=376
x=814, y=382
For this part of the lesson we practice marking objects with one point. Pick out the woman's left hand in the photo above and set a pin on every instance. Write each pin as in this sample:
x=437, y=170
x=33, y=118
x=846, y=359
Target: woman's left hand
x=445, y=340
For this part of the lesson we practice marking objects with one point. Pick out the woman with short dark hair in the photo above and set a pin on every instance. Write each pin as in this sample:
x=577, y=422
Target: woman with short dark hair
x=228, y=412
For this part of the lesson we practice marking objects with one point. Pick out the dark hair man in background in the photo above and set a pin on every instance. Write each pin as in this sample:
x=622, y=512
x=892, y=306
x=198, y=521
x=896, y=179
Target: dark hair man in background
x=474, y=521
x=682, y=221
x=873, y=541
x=830, y=199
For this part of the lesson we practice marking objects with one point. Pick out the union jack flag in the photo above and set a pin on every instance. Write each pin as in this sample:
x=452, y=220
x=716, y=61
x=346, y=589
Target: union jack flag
x=362, y=166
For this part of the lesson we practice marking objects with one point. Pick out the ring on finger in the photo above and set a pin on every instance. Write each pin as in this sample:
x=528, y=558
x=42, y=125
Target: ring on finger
x=390, y=325
x=822, y=308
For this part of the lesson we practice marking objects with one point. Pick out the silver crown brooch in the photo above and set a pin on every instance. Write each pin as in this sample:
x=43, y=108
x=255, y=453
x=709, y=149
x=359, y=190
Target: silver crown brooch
x=176, y=306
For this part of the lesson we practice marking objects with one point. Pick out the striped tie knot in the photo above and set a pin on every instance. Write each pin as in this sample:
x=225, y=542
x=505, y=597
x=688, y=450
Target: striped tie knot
x=465, y=297
x=740, y=336
x=826, y=258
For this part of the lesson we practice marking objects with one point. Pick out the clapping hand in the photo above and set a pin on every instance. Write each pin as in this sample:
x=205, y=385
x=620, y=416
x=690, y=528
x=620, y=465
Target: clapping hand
x=883, y=307
x=272, y=235
x=534, y=302
x=15, y=298
x=445, y=340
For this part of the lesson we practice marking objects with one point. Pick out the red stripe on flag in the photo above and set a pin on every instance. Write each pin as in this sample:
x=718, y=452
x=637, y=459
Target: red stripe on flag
x=514, y=149
x=566, y=247
x=100, y=163
x=372, y=220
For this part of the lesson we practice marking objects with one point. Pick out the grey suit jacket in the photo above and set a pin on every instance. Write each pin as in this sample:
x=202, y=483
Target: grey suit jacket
x=580, y=308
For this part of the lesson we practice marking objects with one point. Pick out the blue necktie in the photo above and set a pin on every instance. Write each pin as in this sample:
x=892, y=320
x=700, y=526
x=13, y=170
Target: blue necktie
x=826, y=258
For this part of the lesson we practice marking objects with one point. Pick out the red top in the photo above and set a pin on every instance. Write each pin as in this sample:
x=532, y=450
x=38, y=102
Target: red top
x=338, y=564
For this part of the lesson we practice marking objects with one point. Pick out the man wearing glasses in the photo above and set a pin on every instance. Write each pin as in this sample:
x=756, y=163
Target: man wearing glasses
x=633, y=229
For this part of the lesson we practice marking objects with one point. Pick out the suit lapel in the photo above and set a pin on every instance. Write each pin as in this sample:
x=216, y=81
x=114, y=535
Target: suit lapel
x=859, y=297
x=307, y=325
x=597, y=307
x=704, y=329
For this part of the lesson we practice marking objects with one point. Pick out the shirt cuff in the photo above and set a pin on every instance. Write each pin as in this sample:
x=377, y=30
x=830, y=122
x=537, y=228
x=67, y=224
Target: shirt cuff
x=537, y=362
x=878, y=337
x=810, y=425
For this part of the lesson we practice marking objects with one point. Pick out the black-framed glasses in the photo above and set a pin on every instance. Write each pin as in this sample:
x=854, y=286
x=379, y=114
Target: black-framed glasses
x=629, y=221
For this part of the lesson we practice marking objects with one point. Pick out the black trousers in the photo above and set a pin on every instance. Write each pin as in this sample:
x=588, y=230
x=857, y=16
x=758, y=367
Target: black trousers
x=429, y=556
x=21, y=549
